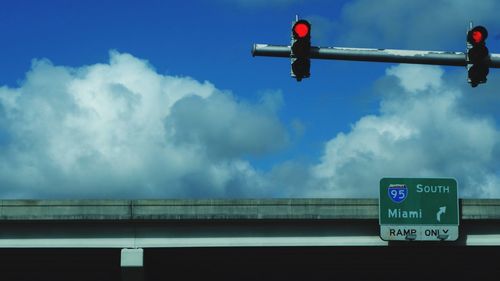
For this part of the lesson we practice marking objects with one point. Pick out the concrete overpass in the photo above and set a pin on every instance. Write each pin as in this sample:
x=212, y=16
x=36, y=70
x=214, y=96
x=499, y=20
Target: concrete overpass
x=145, y=239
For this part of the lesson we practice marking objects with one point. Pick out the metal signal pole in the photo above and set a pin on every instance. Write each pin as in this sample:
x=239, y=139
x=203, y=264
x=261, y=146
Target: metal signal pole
x=376, y=55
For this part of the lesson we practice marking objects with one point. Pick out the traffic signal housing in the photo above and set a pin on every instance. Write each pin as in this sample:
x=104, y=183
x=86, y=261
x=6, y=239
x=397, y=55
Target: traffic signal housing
x=301, y=47
x=478, y=56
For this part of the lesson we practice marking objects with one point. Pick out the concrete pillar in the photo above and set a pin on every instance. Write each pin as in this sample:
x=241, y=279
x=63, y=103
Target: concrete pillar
x=132, y=264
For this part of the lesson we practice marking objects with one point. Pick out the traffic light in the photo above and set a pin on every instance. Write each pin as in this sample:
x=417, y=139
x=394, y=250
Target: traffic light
x=478, y=56
x=301, y=46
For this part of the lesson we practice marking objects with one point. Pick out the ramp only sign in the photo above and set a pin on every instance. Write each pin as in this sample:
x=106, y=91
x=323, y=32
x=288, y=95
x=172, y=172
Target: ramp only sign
x=422, y=209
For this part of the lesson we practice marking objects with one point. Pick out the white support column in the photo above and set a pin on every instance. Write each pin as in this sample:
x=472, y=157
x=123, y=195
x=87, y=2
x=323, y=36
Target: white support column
x=132, y=264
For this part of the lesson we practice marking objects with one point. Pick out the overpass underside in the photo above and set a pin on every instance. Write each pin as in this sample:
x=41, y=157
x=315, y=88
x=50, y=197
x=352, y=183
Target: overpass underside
x=292, y=239
x=402, y=262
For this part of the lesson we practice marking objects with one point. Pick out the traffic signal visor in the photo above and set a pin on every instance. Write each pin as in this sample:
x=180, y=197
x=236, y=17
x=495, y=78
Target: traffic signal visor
x=301, y=29
x=477, y=35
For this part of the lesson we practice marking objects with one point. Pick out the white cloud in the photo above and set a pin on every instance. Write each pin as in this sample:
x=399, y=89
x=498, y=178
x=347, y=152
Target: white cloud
x=415, y=24
x=120, y=129
x=226, y=128
x=421, y=131
x=415, y=78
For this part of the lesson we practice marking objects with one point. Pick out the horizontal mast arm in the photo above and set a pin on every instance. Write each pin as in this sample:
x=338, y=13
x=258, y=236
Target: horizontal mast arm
x=375, y=55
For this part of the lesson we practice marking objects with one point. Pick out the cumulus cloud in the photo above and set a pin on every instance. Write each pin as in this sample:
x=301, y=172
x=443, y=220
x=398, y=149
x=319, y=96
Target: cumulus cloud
x=122, y=130
x=422, y=24
x=228, y=129
x=422, y=131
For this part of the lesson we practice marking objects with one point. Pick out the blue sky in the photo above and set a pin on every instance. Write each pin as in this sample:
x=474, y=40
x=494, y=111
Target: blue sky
x=155, y=99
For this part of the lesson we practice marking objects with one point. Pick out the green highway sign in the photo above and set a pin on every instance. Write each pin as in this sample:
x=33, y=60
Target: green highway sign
x=418, y=209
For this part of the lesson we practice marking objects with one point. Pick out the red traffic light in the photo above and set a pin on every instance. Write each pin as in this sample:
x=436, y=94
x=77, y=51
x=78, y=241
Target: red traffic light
x=477, y=35
x=301, y=29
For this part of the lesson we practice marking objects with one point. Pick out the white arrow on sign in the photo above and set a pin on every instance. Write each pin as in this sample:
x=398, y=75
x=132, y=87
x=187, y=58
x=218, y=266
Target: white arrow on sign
x=442, y=210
